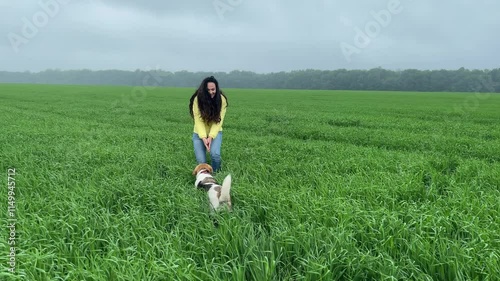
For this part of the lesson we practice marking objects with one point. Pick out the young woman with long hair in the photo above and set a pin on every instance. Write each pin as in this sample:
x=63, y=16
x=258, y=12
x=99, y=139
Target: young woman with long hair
x=207, y=107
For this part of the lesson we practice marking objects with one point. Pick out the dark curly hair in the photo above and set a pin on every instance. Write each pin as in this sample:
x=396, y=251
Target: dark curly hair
x=209, y=107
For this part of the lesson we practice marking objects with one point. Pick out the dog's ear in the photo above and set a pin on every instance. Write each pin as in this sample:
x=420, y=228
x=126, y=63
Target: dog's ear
x=196, y=169
x=210, y=169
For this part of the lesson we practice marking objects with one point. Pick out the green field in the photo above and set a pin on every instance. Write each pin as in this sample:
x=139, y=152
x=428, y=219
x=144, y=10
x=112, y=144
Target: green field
x=327, y=185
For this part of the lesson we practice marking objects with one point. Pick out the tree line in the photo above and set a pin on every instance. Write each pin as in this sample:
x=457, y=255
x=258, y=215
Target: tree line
x=379, y=79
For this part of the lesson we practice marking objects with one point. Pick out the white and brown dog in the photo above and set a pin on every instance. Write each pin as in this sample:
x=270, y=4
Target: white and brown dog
x=217, y=194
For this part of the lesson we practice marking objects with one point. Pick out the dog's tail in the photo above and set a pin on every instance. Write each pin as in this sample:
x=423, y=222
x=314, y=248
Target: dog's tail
x=225, y=195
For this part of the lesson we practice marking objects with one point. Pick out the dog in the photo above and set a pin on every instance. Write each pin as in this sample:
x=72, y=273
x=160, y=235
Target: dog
x=217, y=194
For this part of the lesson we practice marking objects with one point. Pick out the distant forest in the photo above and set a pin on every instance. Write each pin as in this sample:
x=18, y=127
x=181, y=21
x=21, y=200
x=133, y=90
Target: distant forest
x=461, y=80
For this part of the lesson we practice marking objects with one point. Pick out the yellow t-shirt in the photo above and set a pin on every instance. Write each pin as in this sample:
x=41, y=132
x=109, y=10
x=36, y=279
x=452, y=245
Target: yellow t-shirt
x=208, y=130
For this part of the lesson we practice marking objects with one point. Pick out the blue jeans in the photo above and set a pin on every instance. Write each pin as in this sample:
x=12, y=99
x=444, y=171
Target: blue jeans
x=215, y=148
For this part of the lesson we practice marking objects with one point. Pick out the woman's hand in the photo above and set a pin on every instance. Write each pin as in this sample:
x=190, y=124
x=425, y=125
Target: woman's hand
x=207, y=142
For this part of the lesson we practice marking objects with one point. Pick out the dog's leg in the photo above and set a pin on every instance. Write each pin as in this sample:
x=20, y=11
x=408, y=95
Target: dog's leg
x=226, y=192
x=213, y=197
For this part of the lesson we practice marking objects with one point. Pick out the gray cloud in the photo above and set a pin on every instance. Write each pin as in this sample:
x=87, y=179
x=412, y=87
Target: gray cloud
x=261, y=36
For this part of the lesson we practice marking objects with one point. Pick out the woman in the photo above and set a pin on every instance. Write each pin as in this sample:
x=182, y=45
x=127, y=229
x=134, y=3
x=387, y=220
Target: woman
x=207, y=107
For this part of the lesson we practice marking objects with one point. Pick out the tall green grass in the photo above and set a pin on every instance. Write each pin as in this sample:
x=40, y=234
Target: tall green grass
x=327, y=185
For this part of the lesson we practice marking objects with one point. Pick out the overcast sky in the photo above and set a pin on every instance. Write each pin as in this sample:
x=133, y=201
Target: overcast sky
x=255, y=35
